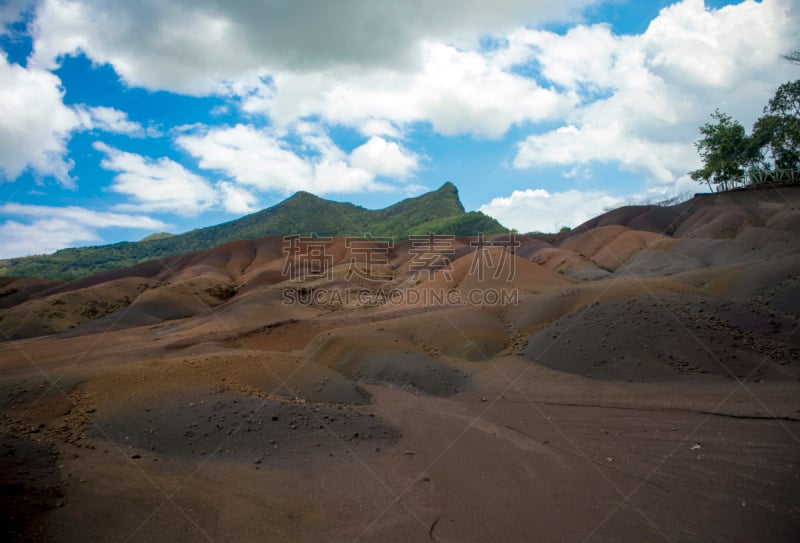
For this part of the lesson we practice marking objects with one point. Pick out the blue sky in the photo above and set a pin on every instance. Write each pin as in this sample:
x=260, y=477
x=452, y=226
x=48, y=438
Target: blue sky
x=119, y=119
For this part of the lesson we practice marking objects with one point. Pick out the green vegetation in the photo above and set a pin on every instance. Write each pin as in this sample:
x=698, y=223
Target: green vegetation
x=158, y=235
x=769, y=155
x=437, y=212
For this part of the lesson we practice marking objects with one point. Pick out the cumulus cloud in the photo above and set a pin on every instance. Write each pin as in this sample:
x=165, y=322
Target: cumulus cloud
x=252, y=157
x=457, y=91
x=156, y=185
x=108, y=119
x=192, y=47
x=693, y=46
x=423, y=62
x=644, y=96
x=537, y=210
x=633, y=101
x=35, y=125
x=54, y=228
x=236, y=199
x=662, y=162
x=12, y=10
x=386, y=158
x=379, y=127
x=262, y=160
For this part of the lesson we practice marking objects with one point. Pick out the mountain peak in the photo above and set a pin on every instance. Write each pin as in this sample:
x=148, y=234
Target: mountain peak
x=439, y=212
x=447, y=197
x=302, y=195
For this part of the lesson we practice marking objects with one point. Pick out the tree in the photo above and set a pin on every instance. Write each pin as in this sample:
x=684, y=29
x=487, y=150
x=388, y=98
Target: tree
x=786, y=101
x=771, y=154
x=794, y=56
x=777, y=132
x=726, y=150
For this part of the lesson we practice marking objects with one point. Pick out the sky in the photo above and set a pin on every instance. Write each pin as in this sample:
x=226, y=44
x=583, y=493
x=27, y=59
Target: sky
x=122, y=118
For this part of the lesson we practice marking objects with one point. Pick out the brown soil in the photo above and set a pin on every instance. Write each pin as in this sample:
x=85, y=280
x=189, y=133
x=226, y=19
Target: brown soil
x=643, y=385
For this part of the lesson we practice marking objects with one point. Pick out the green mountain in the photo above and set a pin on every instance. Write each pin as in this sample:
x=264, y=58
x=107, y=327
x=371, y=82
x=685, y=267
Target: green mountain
x=438, y=212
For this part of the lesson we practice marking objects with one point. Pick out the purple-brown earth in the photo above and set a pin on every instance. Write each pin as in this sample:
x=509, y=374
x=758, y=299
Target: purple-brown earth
x=635, y=379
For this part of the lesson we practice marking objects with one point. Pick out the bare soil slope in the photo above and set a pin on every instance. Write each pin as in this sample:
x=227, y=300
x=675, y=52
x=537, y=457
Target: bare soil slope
x=637, y=379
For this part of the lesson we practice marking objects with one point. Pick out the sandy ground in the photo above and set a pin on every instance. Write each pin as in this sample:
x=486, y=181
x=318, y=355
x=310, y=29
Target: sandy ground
x=644, y=386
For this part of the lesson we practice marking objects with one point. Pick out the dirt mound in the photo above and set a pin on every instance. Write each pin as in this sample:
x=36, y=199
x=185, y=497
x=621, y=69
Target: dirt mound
x=380, y=359
x=647, y=218
x=569, y=263
x=612, y=246
x=667, y=337
x=493, y=269
x=720, y=222
x=223, y=401
x=467, y=333
x=145, y=270
x=226, y=262
x=69, y=309
x=15, y=290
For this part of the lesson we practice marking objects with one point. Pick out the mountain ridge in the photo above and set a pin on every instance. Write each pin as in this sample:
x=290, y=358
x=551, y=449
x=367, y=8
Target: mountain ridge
x=439, y=211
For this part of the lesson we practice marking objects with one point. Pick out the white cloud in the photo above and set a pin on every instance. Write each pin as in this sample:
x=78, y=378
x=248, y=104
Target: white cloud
x=156, y=185
x=236, y=199
x=569, y=145
x=41, y=237
x=634, y=101
x=379, y=127
x=423, y=62
x=385, y=158
x=108, y=119
x=577, y=172
x=192, y=47
x=58, y=227
x=457, y=91
x=584, y=55
x=262, y=160
x=537, y=210
x=83, y=216
x=249, y=156
x=11, y=11
x=691, y=46
x=656, y=88
x=35, y=125
x=218, y=110
x=156, y=45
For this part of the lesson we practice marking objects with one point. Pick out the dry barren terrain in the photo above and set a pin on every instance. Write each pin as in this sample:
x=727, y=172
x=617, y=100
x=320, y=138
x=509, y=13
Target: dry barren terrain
x=636, y=379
